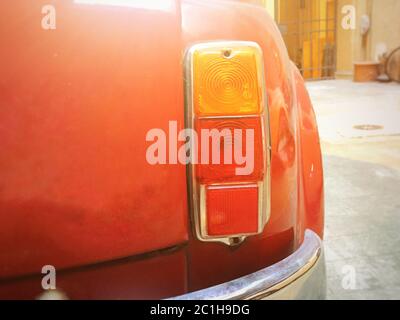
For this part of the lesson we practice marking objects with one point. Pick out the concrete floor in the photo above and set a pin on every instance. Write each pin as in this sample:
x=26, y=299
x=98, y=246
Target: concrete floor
x=362, y=187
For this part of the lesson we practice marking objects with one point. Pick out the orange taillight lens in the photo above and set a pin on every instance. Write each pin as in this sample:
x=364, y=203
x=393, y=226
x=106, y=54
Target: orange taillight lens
x=226, y=82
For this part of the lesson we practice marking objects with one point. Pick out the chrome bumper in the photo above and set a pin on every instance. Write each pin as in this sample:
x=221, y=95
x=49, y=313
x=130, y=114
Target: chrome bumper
x=300, y=276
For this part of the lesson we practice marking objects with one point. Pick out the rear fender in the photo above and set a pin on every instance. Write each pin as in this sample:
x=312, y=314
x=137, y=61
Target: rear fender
x=311, y=177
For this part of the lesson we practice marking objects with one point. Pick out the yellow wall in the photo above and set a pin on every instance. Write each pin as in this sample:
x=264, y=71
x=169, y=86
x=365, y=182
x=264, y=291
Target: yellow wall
x=385, y=29
x=288, y=15
x=351, y=45
x=344, y=44
x=385, y=25
x=270, y=5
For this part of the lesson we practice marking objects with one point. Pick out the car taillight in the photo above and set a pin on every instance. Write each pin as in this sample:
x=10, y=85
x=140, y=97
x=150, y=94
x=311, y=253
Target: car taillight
x=226, y=105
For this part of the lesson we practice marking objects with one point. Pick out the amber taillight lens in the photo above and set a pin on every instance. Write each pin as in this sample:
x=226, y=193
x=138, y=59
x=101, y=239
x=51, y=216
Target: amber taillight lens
x=226, y=107
x=226, y=82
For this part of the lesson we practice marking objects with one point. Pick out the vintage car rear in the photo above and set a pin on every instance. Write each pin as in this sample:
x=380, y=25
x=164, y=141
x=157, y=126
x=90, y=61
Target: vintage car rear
x=78, y=103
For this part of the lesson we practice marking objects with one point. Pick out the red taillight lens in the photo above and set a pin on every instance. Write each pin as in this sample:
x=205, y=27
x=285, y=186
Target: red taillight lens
x=221, y=140
x=232, y=210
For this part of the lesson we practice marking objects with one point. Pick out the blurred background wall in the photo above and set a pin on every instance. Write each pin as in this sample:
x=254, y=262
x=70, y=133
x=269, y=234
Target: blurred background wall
x=321, y=47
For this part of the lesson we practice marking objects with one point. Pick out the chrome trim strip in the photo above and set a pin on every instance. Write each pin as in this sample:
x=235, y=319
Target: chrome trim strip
x=271, y=280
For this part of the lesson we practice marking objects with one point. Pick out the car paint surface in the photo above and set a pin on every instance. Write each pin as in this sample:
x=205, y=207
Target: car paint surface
x=76, y=104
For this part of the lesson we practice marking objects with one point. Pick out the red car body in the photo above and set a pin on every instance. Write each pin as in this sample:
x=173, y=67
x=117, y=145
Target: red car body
x=76, y=191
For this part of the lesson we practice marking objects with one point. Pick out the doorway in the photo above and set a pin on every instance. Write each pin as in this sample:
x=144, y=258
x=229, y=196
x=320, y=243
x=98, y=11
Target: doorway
x=309, y=31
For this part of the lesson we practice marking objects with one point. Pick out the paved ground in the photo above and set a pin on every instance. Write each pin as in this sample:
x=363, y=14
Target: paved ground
x=362, y=182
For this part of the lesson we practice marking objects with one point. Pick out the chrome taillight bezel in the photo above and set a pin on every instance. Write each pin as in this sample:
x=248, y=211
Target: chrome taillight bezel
x=197, y=194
